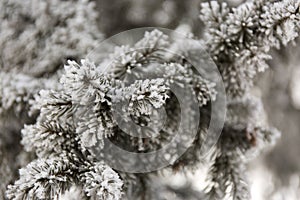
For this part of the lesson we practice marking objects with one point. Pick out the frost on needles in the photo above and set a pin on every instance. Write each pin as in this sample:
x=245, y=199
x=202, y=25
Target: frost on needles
x=239, y=40
x=72, y=121
x=34, y=48
x=36, y=38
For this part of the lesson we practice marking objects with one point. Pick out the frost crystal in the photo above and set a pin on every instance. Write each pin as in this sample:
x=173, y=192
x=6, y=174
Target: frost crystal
x=101, y=182
x=74, y=115
x=79, y=117
x=239, y=39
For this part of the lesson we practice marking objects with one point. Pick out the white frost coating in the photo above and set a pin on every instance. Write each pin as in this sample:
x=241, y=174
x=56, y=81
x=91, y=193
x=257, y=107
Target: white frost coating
x=36, y=36
x=101, y=182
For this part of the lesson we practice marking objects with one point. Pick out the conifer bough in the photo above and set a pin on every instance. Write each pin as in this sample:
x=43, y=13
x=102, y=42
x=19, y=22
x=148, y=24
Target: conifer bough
x=75, y=118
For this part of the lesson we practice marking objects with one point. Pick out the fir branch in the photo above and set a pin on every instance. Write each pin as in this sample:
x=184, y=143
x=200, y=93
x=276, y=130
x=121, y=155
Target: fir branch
x=240, y=42
x=43, y=179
